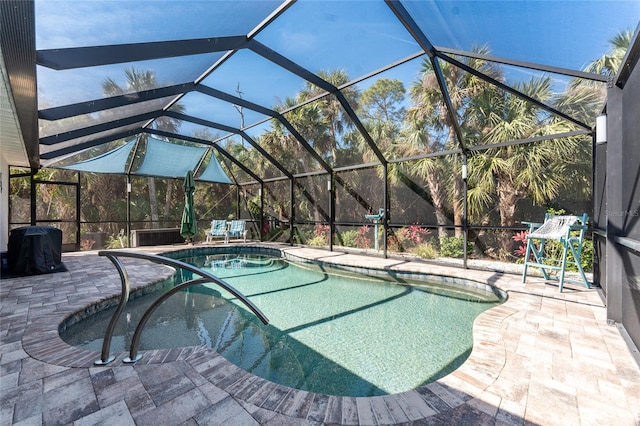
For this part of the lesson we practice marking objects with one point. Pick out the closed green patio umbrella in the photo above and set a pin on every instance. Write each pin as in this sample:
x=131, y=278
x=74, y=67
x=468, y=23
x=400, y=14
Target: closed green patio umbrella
x=188, y=227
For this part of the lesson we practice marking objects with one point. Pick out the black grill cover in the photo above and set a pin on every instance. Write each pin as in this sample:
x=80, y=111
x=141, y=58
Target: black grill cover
x=35, y=250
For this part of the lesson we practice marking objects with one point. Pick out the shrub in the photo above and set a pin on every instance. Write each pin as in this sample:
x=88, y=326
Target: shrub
x=118, y=241
x=426, y=251
x=349, y=238
x=321, y=231
x=394, y=243
x=320, y=236
x=361, y=240
x=86, y=244
x=586, y=257
x=553, y=255
x=553, y=249
x=521, y=251
x=317, y=241
x=413, y=234
x=454, y=247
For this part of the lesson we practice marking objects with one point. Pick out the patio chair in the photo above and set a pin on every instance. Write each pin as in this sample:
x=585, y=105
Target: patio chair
x=218, y=230
x=237, y=229
x=569, y=232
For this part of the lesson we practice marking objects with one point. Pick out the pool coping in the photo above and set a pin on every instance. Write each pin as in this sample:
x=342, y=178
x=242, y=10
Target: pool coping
x=464, y=386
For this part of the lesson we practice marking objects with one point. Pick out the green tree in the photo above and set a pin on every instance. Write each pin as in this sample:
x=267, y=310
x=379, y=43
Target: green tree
x=382, y=101
x=430, y=128
x=509, y=174
x=609, y=63
x=137, y=81
x=383, y=114
x=57, y=202
x=324, y=125
x=542, y=170
x=328, y=114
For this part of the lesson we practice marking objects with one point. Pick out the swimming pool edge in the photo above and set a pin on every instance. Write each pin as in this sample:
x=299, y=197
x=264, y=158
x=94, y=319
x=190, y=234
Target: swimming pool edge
x=464, y=385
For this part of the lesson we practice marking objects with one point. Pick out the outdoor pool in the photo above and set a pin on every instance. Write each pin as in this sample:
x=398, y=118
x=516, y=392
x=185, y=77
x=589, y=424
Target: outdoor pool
x=330, y=331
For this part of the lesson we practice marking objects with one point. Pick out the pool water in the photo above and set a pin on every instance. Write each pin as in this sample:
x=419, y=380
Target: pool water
x=329, y=332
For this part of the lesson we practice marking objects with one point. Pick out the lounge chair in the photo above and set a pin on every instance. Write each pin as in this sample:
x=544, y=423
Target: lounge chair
x=569, y=231
x=218, y=230
x=237, y=229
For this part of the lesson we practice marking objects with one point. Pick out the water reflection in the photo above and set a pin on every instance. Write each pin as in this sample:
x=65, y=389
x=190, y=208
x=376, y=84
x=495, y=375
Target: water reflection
x=332, y=334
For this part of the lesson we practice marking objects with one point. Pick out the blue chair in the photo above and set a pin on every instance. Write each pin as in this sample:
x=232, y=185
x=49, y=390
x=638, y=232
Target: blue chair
x=237, y=229
x=569, y=232
x=218, y=230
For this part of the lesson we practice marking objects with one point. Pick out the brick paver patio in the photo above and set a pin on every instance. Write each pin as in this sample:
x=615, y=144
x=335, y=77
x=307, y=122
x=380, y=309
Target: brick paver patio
x=543, y=357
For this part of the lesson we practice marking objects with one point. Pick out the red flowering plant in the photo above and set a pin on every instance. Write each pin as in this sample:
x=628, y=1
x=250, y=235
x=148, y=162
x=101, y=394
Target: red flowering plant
x=320, y=235
x=321, y=231
x=361, y=240
x=521, y=237
x=413, y=234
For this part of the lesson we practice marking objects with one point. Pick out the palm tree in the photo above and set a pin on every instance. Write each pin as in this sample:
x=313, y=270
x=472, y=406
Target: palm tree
x=609, y=64
x=538, y=171
x=329, y=114
x=103, y=200
x=309, y=121
x=431, y=129
x=137, y=81
x=323, y=123
x=417, y=141
x=509, y=174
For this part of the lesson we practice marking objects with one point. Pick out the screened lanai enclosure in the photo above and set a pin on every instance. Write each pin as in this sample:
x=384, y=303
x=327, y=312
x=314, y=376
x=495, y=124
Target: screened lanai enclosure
x=319, y=114
x=430, y=128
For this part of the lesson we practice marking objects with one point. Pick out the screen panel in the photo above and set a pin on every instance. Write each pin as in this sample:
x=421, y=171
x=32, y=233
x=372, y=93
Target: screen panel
x=359, y=193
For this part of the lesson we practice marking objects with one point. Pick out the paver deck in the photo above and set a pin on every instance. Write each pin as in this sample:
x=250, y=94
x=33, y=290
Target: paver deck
x=542, y=357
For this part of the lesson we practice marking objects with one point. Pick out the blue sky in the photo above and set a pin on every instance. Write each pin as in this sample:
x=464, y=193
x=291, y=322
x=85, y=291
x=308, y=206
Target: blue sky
x=561, y=33
x=359, y=36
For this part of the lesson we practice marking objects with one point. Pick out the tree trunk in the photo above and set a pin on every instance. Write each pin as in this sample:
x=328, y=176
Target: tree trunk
x=317, y=196
x=456, y=190
x=103, y=191
x=168, y=197
x=458, y=206
x=508, y=196
x=153, y=202
x=434, y=183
